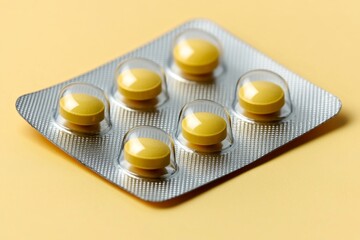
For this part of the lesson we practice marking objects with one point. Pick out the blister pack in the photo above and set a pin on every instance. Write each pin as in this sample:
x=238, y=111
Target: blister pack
x=186, y=109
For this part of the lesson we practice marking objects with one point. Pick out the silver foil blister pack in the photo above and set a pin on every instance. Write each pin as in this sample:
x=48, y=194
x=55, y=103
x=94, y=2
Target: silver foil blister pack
x=247, y=140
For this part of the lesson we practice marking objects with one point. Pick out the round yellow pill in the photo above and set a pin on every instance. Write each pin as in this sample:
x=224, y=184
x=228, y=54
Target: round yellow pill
x=261, y=97
x=139, y=84
x=196, y=56
x=204, y=128
x=147, y=153
x=81, y=109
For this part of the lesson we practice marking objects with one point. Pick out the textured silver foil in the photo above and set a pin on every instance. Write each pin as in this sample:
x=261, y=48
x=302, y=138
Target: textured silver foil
x=312, y=106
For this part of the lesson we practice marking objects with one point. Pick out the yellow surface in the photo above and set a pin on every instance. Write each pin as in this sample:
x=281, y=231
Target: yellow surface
x=261, y=97
x=309, y=189
x=203, y=128
x=196, y=56
x=147, y=153
x=81, y=109
x=139, y=84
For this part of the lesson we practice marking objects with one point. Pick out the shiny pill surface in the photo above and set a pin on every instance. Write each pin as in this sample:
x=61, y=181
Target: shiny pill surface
x=261, y=97
x=204, y=128
x=196, y=56
x=139, y=84
x=81, y=109
x=147, y=153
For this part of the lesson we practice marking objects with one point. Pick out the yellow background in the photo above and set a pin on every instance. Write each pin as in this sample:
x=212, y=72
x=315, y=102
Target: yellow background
x=308, y=190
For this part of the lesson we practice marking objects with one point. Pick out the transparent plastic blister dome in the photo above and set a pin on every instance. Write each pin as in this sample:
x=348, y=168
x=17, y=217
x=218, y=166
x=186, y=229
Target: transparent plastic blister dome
x=204, y=127
x=147, y=152
x=196, y=56
x=262, y=96
x=139, y=84
x=83, y=109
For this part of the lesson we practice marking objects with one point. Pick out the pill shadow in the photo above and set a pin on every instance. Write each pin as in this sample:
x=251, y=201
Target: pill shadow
x=327, y=127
